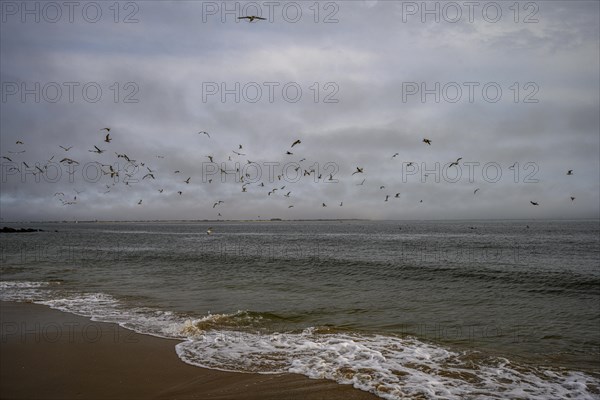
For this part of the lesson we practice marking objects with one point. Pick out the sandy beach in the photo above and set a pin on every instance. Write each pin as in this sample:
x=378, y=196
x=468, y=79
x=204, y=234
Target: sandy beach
x=48, y=354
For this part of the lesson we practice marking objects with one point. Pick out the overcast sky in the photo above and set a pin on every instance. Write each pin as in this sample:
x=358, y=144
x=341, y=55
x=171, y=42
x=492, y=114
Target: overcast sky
x=355, y=81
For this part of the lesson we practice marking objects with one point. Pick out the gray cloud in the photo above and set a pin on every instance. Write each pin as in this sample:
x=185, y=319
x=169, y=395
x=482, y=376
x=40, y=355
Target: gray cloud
x=365, y=63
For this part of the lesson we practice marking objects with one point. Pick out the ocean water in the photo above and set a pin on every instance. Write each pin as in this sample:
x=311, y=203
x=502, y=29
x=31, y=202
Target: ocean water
x=423, y=310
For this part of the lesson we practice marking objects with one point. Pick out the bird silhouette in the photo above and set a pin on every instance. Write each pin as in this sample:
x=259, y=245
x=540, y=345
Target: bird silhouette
x=534, y=203
x=107, y=139
x=456, y=162
x=296, y=142
x=358, y=171
x=427, y=141
x=251, y=18
x=99, y=151
x=570, y=172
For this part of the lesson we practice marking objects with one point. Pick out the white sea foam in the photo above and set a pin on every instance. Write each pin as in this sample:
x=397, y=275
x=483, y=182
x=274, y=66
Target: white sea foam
x=105, y=308
x=388, y=366
x=22, y=290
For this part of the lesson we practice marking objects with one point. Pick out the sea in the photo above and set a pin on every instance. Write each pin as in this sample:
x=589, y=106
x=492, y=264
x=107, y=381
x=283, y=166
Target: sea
x=499, y=309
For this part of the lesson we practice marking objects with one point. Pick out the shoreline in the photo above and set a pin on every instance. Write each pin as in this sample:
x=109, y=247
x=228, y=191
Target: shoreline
x=48, y=353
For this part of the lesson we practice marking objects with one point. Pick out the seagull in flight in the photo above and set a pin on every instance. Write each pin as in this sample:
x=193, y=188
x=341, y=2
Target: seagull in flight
x=358, y=171
x=203, y=133
x=65, y=148
x=572, y=198
x=475, y=191
x=99, y=151
x=188, y=180
x=425, y=140
x=570, y=172
x=68, y=161
x=107, y=139
x=512, y=166
x=296, y=142
x=395, y=154
x=251, y=18
x=113, y=173
x=397, y=195
x=534, y=203
x=105, y=129
x=217, y=203
x=456, y=162
x=362, y=183
x=139, y=202
x=18, y=142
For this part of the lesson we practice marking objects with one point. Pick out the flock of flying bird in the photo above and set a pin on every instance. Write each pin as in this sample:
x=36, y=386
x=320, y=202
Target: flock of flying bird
x=149, y=173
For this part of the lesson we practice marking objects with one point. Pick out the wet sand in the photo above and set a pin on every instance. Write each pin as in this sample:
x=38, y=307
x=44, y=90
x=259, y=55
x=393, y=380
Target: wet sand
x=48, y=354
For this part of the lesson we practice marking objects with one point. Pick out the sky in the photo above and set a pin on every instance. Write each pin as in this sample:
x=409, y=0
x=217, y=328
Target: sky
x=507, y=91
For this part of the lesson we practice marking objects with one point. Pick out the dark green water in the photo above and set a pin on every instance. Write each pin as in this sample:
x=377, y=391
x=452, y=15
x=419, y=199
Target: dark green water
x=482, y=293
